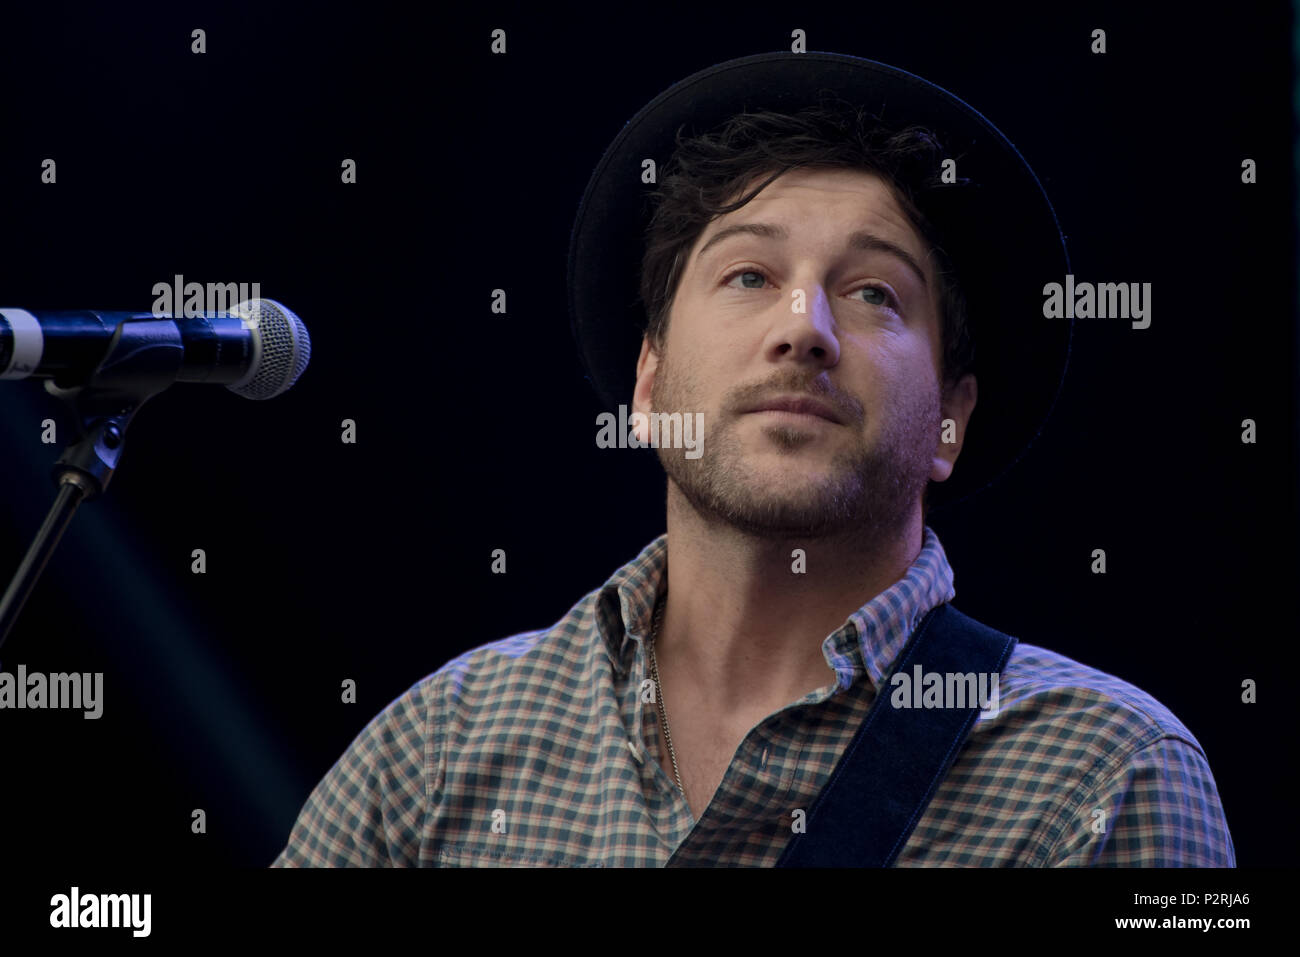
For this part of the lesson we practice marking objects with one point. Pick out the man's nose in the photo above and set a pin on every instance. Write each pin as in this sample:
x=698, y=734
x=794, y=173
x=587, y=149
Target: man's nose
x=806, y=330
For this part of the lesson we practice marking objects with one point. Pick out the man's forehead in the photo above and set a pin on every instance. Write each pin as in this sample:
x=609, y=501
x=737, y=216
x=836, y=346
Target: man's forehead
x=864, y=206
x=865, y=200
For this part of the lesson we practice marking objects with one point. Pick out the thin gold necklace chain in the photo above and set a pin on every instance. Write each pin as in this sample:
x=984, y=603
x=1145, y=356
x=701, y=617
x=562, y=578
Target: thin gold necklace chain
x=659, y=689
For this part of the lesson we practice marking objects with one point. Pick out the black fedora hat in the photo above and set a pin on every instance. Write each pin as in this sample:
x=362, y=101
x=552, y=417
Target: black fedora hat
x=998, y=228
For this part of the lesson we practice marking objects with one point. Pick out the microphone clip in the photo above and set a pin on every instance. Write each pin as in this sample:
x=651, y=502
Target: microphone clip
x=143, y=358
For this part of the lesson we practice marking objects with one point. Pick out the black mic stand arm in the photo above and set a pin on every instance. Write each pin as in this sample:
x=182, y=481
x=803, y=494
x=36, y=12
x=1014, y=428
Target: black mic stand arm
x=143, y=358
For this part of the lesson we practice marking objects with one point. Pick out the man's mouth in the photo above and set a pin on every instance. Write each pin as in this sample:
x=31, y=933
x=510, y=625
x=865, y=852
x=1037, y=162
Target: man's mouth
x=797, y=408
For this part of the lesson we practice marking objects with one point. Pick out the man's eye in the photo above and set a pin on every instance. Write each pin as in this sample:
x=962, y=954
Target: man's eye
x=754, y=279
x=886, y=297
x=746, y=272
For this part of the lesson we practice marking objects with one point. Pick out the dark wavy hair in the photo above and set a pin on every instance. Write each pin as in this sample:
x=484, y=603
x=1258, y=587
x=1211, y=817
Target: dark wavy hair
x=705, y=170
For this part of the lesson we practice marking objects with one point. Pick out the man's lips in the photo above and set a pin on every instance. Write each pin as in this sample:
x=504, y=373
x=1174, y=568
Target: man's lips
x=800, y=405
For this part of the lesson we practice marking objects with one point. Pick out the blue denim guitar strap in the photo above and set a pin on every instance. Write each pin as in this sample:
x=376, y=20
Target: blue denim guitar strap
x=893, y=765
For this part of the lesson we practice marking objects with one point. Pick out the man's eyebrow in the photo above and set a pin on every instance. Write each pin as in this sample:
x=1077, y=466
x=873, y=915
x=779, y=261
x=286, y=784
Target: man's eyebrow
x=861, y=239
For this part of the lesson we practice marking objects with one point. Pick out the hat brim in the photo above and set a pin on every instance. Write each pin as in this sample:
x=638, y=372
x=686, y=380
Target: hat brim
x=999, y=230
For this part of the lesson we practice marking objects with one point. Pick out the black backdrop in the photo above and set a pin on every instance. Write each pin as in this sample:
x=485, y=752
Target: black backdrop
x=371, y=561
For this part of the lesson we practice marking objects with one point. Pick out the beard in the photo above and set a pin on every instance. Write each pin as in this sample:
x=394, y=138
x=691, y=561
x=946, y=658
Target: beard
x=869, y=493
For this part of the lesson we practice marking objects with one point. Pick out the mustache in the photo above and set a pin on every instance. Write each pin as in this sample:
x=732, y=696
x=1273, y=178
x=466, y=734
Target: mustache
x=820, y=388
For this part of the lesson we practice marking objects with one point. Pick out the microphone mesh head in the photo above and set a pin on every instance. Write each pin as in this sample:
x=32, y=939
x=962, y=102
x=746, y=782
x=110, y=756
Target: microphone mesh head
x=281, y=349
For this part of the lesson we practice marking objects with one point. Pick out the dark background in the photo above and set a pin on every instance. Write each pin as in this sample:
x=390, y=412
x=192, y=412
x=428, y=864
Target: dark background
x=475, y=430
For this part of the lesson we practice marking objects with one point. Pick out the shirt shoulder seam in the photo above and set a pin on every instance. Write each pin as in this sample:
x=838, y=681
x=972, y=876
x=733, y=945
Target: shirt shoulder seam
x=1098, y=777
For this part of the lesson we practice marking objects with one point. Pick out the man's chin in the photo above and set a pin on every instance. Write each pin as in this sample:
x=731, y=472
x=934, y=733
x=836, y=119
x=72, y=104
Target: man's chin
x=787, y=476
x=787, y=524
x=796, y=503
x=791, y=445
x=767, y=512
x=806, y=487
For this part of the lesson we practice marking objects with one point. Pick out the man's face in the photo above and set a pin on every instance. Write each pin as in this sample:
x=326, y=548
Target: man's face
x=812, y=315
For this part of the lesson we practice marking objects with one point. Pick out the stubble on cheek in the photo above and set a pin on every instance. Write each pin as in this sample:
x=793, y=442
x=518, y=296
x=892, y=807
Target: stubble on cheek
x=869, y=487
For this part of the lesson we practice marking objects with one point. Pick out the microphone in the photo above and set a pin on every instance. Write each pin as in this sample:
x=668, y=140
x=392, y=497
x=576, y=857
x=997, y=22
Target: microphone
x=257, y=349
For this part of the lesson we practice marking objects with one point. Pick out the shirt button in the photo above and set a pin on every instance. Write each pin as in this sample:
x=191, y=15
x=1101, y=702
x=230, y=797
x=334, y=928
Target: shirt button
x=631, y=746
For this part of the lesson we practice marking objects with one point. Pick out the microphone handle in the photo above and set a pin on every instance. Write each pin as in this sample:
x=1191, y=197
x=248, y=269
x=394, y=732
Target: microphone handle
x=68, y=345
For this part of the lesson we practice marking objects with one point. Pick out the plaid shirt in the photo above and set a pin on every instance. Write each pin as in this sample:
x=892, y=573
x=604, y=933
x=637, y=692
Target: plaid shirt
x=538, y=750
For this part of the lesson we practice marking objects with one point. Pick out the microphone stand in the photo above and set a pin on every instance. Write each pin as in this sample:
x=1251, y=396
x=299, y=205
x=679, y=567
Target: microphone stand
x=143, y=358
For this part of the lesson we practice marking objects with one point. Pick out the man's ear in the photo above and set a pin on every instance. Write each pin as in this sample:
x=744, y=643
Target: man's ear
x=957, y=403
x=647, y=364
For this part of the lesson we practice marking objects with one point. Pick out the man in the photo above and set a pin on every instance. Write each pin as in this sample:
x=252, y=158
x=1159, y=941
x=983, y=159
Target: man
x=806, y=277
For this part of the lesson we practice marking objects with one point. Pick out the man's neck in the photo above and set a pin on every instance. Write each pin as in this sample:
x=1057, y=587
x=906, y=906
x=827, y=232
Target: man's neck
x=743, y=627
